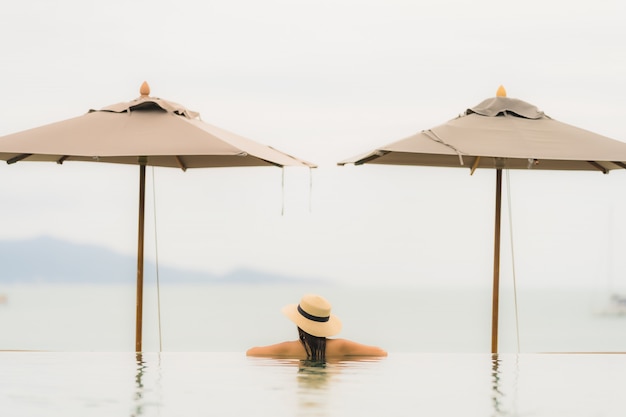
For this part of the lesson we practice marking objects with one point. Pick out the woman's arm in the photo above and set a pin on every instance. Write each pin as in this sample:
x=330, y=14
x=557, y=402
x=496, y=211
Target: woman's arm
x=346, y=347
x=279, y=349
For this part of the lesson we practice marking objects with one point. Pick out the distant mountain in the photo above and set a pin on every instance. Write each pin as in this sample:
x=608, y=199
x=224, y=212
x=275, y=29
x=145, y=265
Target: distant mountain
x=50, y=260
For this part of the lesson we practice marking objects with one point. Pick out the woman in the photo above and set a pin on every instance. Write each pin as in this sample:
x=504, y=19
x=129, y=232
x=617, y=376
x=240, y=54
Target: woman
x=315, y=323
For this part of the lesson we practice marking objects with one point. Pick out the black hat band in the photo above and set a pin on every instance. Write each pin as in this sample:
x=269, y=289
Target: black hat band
x=312, y=317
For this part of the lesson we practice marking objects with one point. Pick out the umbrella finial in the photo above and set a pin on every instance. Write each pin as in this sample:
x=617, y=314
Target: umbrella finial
x=144, y=90
x=501, y=92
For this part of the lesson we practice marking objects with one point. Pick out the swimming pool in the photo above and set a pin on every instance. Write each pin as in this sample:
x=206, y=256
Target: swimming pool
x=231, y=384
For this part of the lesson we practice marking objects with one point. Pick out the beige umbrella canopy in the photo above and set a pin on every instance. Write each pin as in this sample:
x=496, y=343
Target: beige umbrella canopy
x=502, y=133
x=145, y=131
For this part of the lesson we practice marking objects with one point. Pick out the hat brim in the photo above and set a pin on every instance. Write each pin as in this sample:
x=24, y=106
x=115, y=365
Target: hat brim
x=315, y=328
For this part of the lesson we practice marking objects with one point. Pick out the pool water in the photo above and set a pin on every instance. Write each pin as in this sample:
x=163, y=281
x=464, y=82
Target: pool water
x=230, y=384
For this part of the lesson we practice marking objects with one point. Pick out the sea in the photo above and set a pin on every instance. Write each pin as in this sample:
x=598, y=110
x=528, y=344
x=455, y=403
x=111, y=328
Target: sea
x=68, y=350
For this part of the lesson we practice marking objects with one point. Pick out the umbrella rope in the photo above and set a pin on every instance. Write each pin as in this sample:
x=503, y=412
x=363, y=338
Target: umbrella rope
x=282, y=202
x=508, y=195
x=433, y=136
x=156, y=250
x=310, y=188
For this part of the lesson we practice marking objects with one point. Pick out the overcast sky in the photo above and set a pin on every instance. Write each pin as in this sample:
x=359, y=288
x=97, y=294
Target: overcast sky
x=324, y=81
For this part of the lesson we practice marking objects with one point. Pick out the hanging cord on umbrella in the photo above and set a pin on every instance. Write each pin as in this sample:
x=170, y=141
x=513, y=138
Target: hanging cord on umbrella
x=433, y=136
x=508, y=194
x=156, y=250
x=310, y=188
x=282, y=202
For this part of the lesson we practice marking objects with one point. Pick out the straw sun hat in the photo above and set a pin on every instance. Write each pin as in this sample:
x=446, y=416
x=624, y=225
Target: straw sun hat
x=313, y=316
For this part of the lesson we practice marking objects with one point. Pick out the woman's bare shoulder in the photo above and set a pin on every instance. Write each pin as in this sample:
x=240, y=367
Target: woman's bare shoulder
x=282, y=349
x=345, y=347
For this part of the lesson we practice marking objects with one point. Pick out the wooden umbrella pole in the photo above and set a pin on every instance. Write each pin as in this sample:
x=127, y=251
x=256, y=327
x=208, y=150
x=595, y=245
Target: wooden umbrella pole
x=496, y=265
x=142, y=199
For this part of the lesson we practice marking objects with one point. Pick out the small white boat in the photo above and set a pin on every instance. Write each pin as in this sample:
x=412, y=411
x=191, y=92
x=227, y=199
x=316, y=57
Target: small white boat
x=616, y=306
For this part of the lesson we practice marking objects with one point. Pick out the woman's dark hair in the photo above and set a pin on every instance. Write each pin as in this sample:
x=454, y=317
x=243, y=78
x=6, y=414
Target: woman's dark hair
x=314, y=346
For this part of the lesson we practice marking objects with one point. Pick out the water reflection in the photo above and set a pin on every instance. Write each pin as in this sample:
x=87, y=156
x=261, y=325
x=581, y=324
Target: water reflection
x=313, y=374
x=139, y=389
x=496, y=394
x=313, y=378
x=319, y=383
x=313, y=387
x=504, y=404
x=141, y=395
